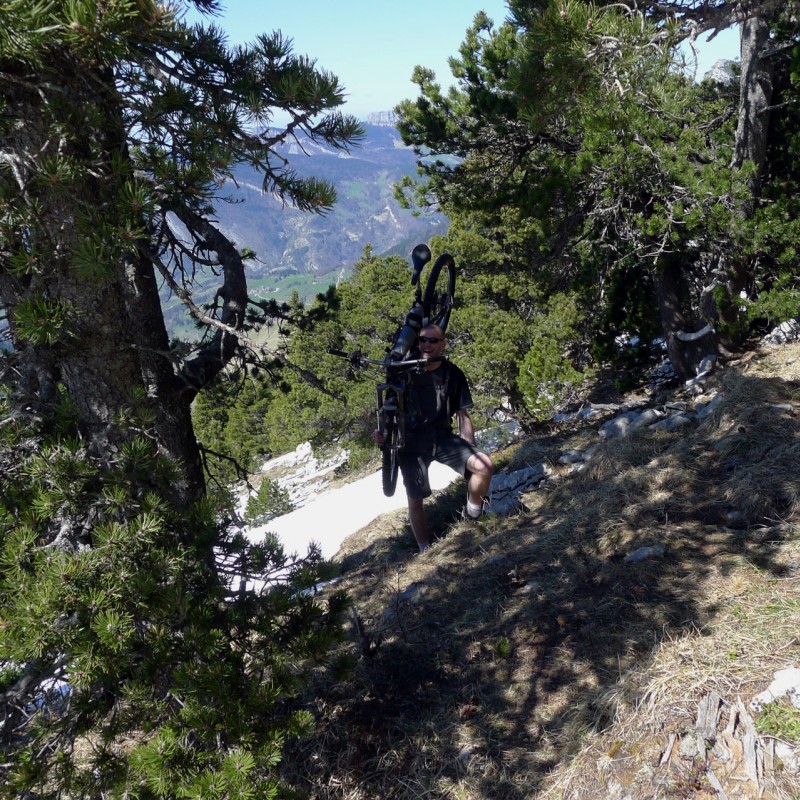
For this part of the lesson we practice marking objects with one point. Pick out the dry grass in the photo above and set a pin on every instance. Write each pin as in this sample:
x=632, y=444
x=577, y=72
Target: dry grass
x=523, y=657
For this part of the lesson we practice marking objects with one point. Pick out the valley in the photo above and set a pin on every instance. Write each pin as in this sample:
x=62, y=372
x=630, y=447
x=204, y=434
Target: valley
x=304, y=253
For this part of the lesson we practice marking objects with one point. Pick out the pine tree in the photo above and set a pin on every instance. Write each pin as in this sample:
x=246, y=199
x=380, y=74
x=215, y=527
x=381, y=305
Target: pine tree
x=583, y=149
x=119, y=130
x=146, y=648
x=572, y=124
x=369, y=307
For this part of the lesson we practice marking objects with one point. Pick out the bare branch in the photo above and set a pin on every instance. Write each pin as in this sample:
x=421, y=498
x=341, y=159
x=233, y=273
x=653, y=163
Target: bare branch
x=697, y=17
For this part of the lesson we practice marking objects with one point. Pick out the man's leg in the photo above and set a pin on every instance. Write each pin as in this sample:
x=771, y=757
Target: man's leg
x=462, y=456
x=481, y=470
x=414, y=468
x=419, y=523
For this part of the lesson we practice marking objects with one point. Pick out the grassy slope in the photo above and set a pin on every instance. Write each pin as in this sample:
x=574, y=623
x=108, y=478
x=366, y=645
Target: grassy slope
x=530, y=660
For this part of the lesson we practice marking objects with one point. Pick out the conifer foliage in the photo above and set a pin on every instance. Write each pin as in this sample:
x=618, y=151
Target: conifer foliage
x=593, y=166
x=146, y=648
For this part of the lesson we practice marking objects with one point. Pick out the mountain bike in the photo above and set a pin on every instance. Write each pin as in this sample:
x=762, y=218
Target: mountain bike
x=431, y=307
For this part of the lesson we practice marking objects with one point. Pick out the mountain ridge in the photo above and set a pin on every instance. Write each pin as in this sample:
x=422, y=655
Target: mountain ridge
x=301, y=252
x=288, y=241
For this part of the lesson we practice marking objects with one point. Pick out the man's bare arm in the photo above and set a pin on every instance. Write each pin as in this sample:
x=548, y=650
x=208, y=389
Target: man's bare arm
x=465, y=427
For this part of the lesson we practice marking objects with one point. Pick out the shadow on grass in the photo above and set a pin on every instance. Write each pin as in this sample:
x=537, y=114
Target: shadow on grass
x=513, y=646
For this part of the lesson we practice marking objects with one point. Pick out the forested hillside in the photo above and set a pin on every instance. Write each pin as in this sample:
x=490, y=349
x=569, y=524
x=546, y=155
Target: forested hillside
x=605, y=213
x=288, y=241
x=299, y=253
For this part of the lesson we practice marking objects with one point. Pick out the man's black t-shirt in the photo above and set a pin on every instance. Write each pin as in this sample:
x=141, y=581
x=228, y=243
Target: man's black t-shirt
x=432, y=397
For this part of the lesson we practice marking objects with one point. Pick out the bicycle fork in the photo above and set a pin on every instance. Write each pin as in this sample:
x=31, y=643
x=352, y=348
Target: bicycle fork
x=390, y=403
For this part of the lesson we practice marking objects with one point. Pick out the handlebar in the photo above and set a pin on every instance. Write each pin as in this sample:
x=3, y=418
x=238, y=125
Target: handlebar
x=357, y=359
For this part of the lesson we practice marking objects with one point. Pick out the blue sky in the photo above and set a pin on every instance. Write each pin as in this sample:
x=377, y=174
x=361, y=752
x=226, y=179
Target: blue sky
x=373, y=47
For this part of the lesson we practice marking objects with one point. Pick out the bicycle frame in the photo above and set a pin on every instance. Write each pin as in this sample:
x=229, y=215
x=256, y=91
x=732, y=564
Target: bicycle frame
x=390, y=401
x=391, y=395
x=431, y=307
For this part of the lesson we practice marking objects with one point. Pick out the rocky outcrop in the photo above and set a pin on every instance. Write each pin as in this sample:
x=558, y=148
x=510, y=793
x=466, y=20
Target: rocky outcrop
x=384, y=118
x=506, y=490
x=721, y=72
x=786, y=332
x=505, y=493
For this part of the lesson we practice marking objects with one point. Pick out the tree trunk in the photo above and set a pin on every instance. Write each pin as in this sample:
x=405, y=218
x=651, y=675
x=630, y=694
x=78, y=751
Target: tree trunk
x=685, y=356
x=755, y=96
x=170, y=397
x=111, y=355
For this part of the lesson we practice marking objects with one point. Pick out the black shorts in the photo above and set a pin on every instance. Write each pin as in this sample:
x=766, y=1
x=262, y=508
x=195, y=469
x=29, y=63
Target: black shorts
x=443, y=446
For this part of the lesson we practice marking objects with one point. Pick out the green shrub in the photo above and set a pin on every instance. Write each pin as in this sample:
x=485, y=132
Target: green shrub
x=780, y=719
x=548, y=377
x=270, y=501
x=177, y=671
x=776, y=306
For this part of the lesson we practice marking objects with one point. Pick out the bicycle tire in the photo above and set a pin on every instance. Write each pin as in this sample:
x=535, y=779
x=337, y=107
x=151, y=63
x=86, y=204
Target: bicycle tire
x=389, y=457
x=439, y=295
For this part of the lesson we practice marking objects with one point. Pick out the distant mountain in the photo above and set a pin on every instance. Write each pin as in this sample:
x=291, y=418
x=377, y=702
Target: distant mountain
x=722, y=71
x=290, y=242
x=302, y=252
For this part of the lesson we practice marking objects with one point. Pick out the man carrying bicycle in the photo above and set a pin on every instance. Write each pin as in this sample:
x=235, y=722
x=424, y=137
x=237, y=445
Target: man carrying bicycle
x=434, y=396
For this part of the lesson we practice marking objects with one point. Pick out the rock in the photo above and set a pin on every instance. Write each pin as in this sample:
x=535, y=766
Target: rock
x=506, y=488
x=695, y=386
x=590, y=452
x=570, y=457
x=674, y=422
x=677, y=407
x=301, y=453
x=499, y=436
x=574, y=469
x=786, y=683
x=788, y=331
x=704, y=409
x=646, y=418
x=736, y=520
x=586, y=412
x=302, y=474
x=618, y=426
x=662, y=375
x=643, y=553
x=707, y=364
x=688, y=748
x=790, y=759
x=722, y=72
x=383, y=118
x=518, y=480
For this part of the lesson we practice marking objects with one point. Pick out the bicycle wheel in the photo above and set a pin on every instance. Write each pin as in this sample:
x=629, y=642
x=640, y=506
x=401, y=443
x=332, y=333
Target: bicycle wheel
x=389, y=457
x=440, y=292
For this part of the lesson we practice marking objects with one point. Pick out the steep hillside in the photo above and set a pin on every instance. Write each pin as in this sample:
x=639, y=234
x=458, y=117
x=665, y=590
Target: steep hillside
x=547, y=655
x=302, y=252
x=288, y=241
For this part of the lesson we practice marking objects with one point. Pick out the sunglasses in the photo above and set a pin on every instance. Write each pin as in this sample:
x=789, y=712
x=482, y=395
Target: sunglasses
x=429, y=340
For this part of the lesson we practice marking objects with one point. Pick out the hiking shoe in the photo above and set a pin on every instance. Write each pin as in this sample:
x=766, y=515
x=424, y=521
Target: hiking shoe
x=467, y=517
